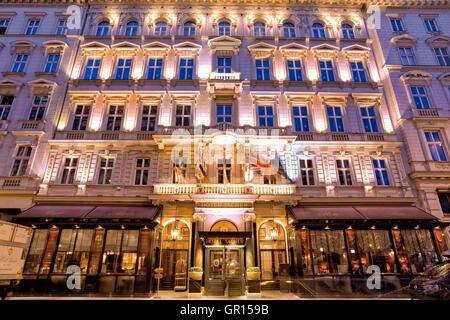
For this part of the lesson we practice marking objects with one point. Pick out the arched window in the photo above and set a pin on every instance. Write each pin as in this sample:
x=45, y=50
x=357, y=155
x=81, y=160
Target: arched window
x=132, y=28
x=224, y=226
x=272, y=249
x=103, y=28
x=224, y=28
x=347, y=31
x=189, y=29
x=161, y=28
x=174, y=260
x=259, y=29
x=318, y=30
x=288, y=30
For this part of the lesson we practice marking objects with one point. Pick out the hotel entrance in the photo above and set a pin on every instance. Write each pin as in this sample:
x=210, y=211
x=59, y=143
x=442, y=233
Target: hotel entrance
x=224, y=271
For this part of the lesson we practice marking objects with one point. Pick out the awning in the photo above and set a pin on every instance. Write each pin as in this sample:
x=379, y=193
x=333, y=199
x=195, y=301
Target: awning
x=325, y=213
x=394, y=212
x=360, y=213
x=56, y=211
x=88, y=212
x=106, y=212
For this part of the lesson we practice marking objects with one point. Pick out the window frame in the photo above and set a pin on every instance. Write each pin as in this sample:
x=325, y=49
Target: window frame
x=123, y=68
x=369, y=117
x=420, y=96
x=161, y=29
x=189, y=26
x=359, y=71
x=142, y=170
x=346, y=175
x=433, y=19
x=400, y=20
x=407, y=57
x=308, y=171
x=183, y=116
x=148, y=115
x=107, y=168
x=101, y=27
x=86, y=66
x=186, y=68
x=81, y=116
x=25, y=157
x=38, y=115
x=259, y=29
x=442, y=59
x=441, y=142
x=22, y=65
x=300, y=116
x=334, y=116
x=52, y=64
x=263, y=68
x=131, y=30
x=5, y=108
x=265, y=116
x=295, y=68
x=62, y=27
x=381, y=170
x=4, y=24
x=70, y=168
x=115, y=115
x=349, y=32
x=224, y=28
x=327, y=69
x=31, y=30
x=148, y=67
x=290, y=30
x=319, y=31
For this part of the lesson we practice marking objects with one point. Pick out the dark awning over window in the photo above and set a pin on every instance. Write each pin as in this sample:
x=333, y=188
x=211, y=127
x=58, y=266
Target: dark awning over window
x=56, y=211
x=393, y=212
x=360, y=213
x=105, y=212
x=88, y=212
x=325, y=213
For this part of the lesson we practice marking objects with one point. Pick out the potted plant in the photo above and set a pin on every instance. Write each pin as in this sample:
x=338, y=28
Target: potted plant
x=253, y=273
x=195, y=273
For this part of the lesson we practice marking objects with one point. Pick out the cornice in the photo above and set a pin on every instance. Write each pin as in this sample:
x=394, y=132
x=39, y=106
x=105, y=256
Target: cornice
x=334, y=3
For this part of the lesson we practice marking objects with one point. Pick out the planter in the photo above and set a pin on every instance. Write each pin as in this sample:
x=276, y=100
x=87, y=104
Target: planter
x=253, y=275
x=195, y=275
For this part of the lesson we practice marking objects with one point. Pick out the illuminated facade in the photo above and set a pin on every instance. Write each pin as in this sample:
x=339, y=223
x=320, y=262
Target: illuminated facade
x=151, y=157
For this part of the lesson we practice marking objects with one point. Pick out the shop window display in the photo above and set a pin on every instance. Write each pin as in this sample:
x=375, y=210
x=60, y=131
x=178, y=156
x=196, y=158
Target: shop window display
x=328, y=251
x=375, y=248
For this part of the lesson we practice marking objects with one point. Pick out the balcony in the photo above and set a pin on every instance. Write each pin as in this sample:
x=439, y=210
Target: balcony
x=427, y=113
x=257, y=189
x=18, y=183
x=225, y=76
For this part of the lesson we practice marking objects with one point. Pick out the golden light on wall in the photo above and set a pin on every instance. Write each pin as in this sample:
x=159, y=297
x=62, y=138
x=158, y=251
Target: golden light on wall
x=95, y=123
x=312, y=74
x=344, y=74
x=76, y=71
x=320, y=125
x=106, y=71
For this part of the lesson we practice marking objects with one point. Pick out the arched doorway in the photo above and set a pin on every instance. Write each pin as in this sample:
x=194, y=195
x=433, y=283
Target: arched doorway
x=175, y=253
x=272, y=249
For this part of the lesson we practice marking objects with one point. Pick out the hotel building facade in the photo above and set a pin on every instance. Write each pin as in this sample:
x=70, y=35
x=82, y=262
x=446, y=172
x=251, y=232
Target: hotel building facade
x=289, y=136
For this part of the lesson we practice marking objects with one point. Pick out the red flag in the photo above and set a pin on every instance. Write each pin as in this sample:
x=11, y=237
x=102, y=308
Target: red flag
x=179, y=177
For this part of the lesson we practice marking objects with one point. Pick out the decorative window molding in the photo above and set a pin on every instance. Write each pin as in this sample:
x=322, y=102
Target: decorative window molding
x=224, y=43
x=22, y=47
x=187, y=49
x=404, y=39
x=416, y=77
x=42, y=87
x=262, y=50
x=94, y=49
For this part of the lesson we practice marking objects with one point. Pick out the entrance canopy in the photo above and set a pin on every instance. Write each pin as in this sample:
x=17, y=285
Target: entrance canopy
x=87, y=213
x=360, y=215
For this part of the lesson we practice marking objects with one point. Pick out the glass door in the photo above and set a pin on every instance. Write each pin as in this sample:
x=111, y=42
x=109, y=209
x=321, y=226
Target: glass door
x=233, y=265
x=216, y=265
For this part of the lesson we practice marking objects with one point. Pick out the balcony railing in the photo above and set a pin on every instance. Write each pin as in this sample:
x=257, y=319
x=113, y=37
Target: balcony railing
x=224, y=188
x=426, y=113
x=21, y=183
x=224, y=76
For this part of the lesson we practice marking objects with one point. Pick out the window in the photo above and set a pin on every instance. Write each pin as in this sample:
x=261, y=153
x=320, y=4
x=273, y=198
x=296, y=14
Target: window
x=32, y=27
x=318, y=30
x=21, y=161
x=142, y=167
x=435, y=146
x=343, y=170
x=442, y=56
x=148, y=122
x=92, y=68
x=335, y=119
x=358, y=72
x=307, y=172
x=369, y=119
x=161, y=28
x=20, y=63
x=328, y=251
x=105, y=172
x=132, y=28
x=224, y=171
x=419, y=97
x=38, y=108
x=154, y=69
x=186, y=68
x=3, y=26
x=407, y=56
x=81, y=117
x=103, y=28
x=183, y=115
x=73, y=248
x=52, y=63
x=347, y=31
x=224, y=28
x=189, y=29
x=326, y=70
x=179, y=170
x=379, y=166
x=36, y=251
x=224, y=113
x=300, y=115
x=430, y=24
x=224, y=65
x=262, y=69
x=396, y=25
x=5, y=106
x=295, y=70
x=120, y=251
x=115, y=116
x=374, y=247
x=61, y=29
x=265, y=116
x=69, y=169
x=444, y=199
x=123, y=68
x=288, y=30
x=259, y=29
